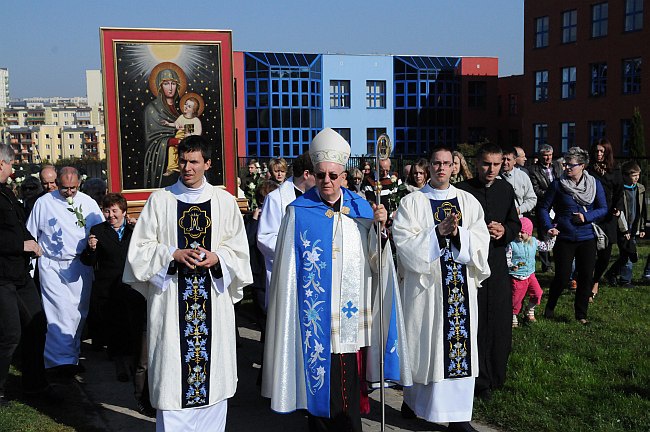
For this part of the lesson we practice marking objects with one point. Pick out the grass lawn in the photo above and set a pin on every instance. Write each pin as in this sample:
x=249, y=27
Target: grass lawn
x=563, y=376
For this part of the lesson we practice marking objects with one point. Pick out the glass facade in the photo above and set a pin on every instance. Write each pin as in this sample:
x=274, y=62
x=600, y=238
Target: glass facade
x=427, y=103
x=283, y=103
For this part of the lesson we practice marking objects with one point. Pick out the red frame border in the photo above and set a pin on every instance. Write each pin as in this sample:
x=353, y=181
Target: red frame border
x=107, y=37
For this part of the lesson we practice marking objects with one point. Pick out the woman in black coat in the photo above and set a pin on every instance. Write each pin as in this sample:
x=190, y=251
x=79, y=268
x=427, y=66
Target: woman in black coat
x=118, y=311
x=604, y=170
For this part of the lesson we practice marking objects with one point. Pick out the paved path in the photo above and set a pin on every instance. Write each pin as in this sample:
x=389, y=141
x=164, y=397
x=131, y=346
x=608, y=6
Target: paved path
x=108, y=405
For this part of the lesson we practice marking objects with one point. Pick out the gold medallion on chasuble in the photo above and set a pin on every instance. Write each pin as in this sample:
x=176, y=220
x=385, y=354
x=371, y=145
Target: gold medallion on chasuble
x=194, y=222
x=446, y=208
x=330, y=213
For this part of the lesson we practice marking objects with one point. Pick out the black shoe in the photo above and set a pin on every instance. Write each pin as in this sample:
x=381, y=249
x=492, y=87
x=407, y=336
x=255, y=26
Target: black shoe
x=485, y=395
x=407, y=412
x=549, y=313
x=611, y=280
x=48, y=395
x=461, y=427
x=3, y=402
x=624, y=284
x=145, y=408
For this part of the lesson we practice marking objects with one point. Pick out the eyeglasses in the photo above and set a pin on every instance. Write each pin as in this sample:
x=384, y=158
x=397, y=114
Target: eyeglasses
x=322, y=175
x=570, y=166
x=438, y=164
x=70, y=189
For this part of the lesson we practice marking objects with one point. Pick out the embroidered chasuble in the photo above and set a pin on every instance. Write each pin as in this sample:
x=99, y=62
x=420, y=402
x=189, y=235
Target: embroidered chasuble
x=321, y=302
x=194, y=306
x=456, y=326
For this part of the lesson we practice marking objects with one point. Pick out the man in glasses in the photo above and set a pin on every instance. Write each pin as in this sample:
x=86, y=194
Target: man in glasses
x=60, y=221
x=495, y=296
x=320, y=315
x=442, y=242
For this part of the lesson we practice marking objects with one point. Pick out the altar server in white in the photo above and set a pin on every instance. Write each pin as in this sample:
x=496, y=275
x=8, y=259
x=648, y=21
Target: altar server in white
x=189, y=257
x=442, y=248
x=60, y=222
x=274, y=208
x=320, y=311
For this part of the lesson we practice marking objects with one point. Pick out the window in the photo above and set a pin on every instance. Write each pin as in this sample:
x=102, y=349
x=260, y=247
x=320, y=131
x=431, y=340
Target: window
x=626, y=136
x=633, y=15
x=569, y=26
x=56, y=115
x=541, y=32
x=569, y=82
x=47, y=136
x=344, y=132
x=513, y=104
x=375, y=94
x=540, y=135
x=59, y=146
x=599, y=17
x=70, y=136
x=372, y=134
x=477, y=94
x=632, y=75
x=541, y=86
x=596, y=130
x=339, y=94
x=71, y=146
x=598, y=79
x=568, y=138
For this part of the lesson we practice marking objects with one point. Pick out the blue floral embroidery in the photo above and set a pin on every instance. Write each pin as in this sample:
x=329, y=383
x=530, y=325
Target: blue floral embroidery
x=196, y=332
x=457, y=316
x=314, y=312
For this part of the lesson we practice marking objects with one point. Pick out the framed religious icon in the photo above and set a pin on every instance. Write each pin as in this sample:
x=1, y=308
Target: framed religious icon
x=161, y=86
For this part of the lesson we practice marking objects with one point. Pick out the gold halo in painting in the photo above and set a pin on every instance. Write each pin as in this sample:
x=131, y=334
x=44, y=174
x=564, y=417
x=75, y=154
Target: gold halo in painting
x=182, y=85
x=186, y=96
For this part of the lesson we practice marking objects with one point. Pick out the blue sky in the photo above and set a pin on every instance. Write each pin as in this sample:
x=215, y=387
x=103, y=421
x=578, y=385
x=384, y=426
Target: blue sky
x=47, y=46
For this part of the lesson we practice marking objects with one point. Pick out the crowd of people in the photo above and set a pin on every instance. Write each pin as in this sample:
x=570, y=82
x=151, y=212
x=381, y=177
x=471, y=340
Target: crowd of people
x=451, y=251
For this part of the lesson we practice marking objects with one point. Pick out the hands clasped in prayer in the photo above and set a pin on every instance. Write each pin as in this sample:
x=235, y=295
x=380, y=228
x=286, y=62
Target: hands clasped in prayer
x=192, y=257
x=449, y=226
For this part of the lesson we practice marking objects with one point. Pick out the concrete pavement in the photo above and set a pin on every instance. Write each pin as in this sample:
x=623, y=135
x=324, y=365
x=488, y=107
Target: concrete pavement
x=109, y=405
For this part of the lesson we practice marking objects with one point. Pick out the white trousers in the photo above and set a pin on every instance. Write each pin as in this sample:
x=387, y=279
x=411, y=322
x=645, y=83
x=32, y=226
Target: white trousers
x=444, y=401
x=65, y=286
x=204, y=419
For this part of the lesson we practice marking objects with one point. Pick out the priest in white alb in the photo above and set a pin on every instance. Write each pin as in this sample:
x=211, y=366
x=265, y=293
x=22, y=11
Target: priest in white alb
x=442, y=247
x=189, y=257
x=321, y=312
x=60, y=222
x=274, y=208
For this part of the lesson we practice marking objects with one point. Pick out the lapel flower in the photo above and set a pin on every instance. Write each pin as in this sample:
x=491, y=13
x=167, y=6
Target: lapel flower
x=81, y=220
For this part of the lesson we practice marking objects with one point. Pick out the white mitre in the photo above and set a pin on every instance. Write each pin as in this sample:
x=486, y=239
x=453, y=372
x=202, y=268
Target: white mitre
x=329, y=146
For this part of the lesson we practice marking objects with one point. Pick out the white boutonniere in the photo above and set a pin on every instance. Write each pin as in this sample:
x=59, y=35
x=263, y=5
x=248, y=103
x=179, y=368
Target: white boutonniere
x=81, y=220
